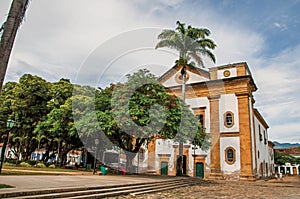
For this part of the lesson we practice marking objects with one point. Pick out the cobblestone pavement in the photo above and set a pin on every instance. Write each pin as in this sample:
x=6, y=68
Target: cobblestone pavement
x=275, y=189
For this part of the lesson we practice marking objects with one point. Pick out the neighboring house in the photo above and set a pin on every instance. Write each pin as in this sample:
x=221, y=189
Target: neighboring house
x=288, y=168
x=271, y=158
x=9, y=153
x=222, y=98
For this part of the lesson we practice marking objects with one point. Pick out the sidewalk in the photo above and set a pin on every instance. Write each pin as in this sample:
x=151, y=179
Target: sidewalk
x=41, y=182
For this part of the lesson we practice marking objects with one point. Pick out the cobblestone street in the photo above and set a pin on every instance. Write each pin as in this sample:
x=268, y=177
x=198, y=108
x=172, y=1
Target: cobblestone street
x=275, y=189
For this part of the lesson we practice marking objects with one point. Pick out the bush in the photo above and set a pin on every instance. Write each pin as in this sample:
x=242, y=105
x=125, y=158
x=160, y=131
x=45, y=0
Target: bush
x=51, y=166
x=47, y=164
x=40, y=165
x=9, y=164
x=12, y=161
x=31, y=162
x=25, y=164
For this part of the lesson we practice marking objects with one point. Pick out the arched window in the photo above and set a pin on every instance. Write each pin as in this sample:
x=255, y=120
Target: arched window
x=228, y=119
x=230, y=155
x=179, y=77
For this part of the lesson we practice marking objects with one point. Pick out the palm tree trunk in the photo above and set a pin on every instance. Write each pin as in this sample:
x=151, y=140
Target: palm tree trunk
x=10, y=28
x=180, y=159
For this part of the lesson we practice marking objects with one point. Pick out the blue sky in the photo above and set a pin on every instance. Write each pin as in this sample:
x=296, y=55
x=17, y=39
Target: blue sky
x=60, y=38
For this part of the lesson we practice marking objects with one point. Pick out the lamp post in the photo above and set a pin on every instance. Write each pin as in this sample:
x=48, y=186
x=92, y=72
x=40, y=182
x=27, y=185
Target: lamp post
x=95, y=158
x=10, y=124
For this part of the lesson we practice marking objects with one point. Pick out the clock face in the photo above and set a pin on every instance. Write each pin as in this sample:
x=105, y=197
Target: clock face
x=179, y=77
x=226, y=73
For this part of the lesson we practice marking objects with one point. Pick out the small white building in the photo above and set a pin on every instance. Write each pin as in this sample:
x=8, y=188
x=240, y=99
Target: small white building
x=288, y=169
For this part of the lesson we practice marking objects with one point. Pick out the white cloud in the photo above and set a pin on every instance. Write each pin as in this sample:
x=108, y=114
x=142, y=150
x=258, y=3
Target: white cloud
x=58, y=36
x=279, y=92
x=288, y=132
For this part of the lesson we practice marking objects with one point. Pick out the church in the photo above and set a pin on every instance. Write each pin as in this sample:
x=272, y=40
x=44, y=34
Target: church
x=222, y=99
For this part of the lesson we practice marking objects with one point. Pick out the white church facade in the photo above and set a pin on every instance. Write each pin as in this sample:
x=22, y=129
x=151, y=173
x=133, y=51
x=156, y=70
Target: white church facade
x=222, y=98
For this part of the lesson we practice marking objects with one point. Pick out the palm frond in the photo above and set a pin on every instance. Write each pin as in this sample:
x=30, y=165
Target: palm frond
x=190, y=42
x=166, y=43
x=166, y=34
x=207, y=43
x=208, y=53
x=197, y=58
x=180, y=27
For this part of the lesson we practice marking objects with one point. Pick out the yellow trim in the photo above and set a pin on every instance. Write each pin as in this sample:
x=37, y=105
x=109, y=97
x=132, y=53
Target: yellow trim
x=232, y=116
x=179, y=81
x=234, y=155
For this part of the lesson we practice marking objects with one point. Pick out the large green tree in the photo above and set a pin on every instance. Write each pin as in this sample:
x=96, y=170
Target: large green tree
x=139, y=110
x=59, y=128
x=29, y=100
x=5, y=115
x=191, y=43
x=281, y=159
x=9, y=31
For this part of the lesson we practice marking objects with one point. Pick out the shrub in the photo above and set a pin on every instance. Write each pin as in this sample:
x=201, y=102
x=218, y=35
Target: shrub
x=52, y=166
x=40, y=165
x=12, y=161
x=25, y=164
x=47, y=164
x=9, y=164
x=31, y=162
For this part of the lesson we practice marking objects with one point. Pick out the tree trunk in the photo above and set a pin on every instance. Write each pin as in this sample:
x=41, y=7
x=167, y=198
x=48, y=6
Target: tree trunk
x=10, y=28
x=3, y=151
x=129, y=158
x=179, y=171
x=45, y=157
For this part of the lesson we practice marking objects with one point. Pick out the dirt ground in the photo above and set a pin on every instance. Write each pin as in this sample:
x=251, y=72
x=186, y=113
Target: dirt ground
x=289, y=187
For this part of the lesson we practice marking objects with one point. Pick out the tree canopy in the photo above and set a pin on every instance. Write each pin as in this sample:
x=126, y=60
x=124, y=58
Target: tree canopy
x=190, y=42
x=139, y=110
x=60, y=116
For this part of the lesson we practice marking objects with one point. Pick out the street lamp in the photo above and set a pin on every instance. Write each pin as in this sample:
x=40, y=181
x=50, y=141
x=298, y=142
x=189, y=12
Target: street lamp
x=10, y=124
x=95, y=158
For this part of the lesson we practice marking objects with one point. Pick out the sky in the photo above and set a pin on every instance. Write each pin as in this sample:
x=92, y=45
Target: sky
x=96, y=42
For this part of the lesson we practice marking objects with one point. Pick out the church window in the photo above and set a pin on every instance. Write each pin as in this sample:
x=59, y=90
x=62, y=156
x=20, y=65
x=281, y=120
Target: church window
x=260, y=135
x=230, y=155
x=179, y=78
x=200, y=118
x=228, y=119
x=265, y=137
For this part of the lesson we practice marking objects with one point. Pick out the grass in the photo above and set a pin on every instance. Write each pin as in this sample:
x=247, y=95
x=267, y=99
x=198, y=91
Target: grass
x=18, y=170
x=5, y=186
x=39, y=169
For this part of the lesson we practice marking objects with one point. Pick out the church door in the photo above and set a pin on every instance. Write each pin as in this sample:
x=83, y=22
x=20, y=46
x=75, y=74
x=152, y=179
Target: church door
x=164, y=168
x=184, y=165
x=200, y=170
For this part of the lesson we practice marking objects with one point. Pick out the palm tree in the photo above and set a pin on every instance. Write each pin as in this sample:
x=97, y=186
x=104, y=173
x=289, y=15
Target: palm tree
x=39, y=139
x=58, y=140
x=9, y=30
x=191, y=43
x=20, y=149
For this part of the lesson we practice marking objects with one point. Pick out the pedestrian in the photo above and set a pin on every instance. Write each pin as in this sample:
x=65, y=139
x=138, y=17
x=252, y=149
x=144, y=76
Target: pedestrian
x=280, y=176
